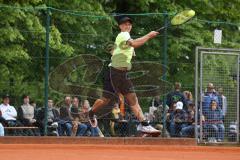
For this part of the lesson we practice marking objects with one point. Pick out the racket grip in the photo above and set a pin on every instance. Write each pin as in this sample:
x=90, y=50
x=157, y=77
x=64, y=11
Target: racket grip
x=162, y=28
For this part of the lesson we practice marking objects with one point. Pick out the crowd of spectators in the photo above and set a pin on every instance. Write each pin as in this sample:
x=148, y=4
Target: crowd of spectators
x=70, y=118
x=179, y=113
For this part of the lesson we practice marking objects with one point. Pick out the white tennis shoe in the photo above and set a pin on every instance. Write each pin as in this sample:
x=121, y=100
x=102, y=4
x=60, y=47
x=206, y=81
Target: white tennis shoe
x=147, y=129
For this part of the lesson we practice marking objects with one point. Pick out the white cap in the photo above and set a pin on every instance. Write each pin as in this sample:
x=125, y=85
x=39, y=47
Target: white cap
x=179, y=105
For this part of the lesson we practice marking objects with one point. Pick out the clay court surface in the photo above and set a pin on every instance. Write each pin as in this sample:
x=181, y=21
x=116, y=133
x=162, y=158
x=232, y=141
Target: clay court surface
x=115, y=152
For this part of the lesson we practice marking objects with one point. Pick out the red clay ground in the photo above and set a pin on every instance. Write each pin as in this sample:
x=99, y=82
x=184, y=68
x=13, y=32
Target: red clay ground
x=115, y=152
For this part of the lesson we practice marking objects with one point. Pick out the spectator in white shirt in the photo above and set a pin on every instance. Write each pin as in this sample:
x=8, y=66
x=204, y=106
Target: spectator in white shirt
x=9, y=115
x=1, y=130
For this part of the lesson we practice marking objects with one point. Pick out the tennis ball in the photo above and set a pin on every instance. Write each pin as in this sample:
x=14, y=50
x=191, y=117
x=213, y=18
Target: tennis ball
x=191, y=13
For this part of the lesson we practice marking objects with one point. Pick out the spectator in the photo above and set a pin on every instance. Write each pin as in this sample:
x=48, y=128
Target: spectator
x=156, y=102
x=158, y=114
x=33, y=103
x=159, y=118
x=79, y=128
x=188, y=96
x=119, y=126
x=1, y=126
x=1, y=130
x=189, y=129
x=85, y=119
x=176, y=96
x=208, y=96
x=52, y=119
x=233, y=132
x=178, y=120
x=65, y=123
x=222, y=101
x=27, y=116
x=213, y=125
x=132, y=122
x=9, y=115
x=104, y=116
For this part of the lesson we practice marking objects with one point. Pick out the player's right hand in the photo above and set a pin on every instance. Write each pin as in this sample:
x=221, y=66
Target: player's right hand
x=153, y=34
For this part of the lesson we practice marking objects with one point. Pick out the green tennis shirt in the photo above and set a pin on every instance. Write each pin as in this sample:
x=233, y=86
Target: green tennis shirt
x=122, y=54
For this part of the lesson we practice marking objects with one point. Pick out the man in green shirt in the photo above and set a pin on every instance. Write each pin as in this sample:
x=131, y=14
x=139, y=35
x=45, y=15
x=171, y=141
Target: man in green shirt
x=116, y=80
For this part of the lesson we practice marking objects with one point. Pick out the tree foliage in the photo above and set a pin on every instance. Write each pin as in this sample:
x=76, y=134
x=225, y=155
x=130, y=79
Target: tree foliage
x=84, y=27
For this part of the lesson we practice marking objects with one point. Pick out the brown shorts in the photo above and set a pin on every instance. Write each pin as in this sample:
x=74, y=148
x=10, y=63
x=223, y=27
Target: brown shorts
x=116, y=81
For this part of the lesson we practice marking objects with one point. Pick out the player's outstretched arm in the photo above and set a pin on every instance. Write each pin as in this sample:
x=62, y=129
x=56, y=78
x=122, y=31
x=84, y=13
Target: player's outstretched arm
x=140, y=41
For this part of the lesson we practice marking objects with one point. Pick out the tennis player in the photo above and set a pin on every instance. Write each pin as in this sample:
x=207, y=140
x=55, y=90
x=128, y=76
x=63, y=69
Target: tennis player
x=116, y=80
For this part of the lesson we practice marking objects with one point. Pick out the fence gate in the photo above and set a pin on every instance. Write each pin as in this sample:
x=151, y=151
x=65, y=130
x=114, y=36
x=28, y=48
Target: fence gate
x=217, y=95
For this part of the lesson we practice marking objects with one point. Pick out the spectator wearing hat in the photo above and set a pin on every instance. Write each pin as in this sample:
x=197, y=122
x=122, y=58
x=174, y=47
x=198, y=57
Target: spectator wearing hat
x=27, y=115
x=178, y=119
x=9, y=115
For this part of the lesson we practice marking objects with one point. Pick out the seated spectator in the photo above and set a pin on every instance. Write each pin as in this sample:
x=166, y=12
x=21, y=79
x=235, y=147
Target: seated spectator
x=156, y=101
x=158, y=114
x=79, y=129
x=133, y=122
x=52, y=119
x=1, y=130
x=158, y=119
x=104, y=115
x=33, y=103
x=151, y=116
x=213, y=125
x=9, y=115
x=119, y=126
x=189, y=129
x=233, y=132
x=155, y=106
x=169, y=113
x=65, y=123
x=84, y=118
x=178, y=120
x=176, y=96
x=27, y=116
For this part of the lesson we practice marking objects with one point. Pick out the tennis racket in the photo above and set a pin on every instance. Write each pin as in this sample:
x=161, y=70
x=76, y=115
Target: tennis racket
x=179, y=18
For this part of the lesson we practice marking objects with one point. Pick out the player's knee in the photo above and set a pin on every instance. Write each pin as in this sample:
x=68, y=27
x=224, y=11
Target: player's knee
x=136, y=107
x=132, y=99
x=134, y=103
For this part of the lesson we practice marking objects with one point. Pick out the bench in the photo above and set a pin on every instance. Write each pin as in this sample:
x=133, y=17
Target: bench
x=21, y=127
x=13, y=130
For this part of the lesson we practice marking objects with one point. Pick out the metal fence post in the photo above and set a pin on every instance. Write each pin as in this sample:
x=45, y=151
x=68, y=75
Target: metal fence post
x=165, y=57
x=46, y=71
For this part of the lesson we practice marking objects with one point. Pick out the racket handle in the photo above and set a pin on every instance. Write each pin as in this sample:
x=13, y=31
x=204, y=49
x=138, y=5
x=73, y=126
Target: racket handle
x=162, y=28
